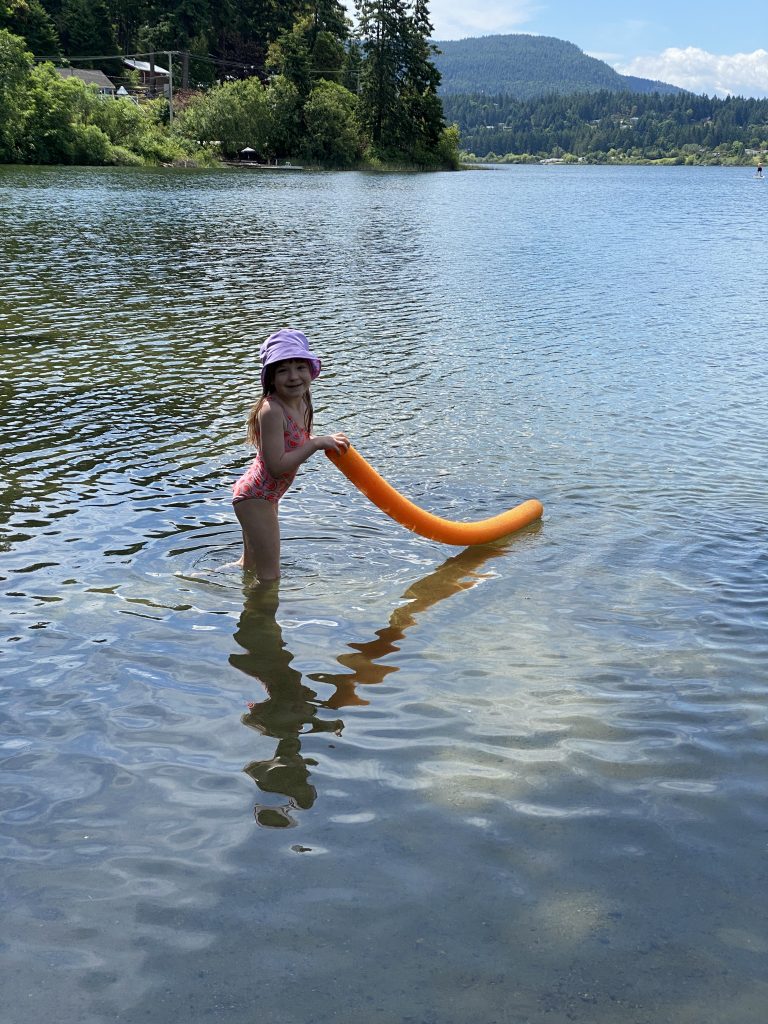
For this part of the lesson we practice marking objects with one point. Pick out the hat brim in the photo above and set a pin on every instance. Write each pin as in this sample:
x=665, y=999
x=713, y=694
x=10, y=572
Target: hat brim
x=315, y=364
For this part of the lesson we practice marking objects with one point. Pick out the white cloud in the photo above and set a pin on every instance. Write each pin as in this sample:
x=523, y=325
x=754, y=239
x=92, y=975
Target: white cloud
x=483, y=18
x=737, y=74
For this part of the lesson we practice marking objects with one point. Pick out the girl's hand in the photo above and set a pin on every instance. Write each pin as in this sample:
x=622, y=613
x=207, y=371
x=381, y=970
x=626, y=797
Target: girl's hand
x=333, y=443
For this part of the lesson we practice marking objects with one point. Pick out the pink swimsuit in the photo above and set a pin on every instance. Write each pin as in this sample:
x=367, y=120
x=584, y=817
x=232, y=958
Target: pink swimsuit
x=257, y=481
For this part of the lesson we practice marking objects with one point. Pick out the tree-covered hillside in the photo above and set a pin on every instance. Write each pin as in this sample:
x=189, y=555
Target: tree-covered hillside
x=225, y=40
x=613, y=125
x=527, y=66
x=276, y=78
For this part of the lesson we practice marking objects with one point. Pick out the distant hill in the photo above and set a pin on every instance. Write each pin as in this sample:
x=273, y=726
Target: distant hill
x=529, y=66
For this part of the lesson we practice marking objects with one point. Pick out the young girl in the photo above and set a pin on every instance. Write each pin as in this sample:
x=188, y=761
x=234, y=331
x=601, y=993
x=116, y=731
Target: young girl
x=280, y=427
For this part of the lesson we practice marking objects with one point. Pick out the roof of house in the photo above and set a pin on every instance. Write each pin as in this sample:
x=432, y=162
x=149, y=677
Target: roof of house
x=87, y=76
x=142, y=65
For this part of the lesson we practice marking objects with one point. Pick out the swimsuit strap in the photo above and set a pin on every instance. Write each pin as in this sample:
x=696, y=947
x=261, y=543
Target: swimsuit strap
x=287, y=412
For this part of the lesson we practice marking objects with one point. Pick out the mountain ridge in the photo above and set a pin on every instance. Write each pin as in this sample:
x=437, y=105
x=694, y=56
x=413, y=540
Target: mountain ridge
x=527, y=66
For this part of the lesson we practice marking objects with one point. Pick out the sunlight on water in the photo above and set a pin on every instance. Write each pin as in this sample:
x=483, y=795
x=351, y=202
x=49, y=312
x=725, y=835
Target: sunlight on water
x=519, y=783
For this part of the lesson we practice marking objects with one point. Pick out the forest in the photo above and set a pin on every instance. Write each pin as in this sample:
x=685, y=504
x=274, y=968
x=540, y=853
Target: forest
x=605, y=125
x=289, y=79
x=294, y=80
x=527, y=66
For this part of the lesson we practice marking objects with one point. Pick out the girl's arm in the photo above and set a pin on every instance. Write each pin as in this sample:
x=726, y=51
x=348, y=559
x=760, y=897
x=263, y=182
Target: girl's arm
x=279, y=461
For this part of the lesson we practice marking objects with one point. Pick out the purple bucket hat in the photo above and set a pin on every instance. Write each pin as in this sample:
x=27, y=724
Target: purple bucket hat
x=287, y=344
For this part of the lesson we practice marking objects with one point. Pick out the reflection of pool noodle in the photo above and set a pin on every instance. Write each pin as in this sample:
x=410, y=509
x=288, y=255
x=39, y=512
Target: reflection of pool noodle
x=376, y=489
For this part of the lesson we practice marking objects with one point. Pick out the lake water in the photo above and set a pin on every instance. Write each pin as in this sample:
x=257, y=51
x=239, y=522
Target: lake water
x=519, y=784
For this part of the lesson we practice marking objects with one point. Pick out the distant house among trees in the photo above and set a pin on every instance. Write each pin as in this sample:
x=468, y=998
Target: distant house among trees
x=97, y=78
x=154, y=79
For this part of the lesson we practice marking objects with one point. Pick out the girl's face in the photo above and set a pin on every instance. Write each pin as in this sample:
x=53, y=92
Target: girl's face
x=292, y=378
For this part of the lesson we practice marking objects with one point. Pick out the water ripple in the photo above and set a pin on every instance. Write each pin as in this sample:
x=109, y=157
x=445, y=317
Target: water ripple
x=552, y=750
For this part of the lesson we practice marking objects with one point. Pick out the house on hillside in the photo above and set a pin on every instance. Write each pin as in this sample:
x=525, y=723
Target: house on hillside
x=159, y=83
x=97, y=78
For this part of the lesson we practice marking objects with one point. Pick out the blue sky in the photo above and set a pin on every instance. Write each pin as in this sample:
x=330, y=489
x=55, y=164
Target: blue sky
x=706, y=46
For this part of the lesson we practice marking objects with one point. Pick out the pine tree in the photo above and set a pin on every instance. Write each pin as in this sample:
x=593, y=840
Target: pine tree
x=328, y=34
x=86, y=30
x=328, y=16
x=399, y=105
x=30, y=20
x=247, y=27
x=381, y=26
x=313, y=48
x=290, y=57
x=127, y=17
x=191, y=20
x=353, y=66
x=423, y=109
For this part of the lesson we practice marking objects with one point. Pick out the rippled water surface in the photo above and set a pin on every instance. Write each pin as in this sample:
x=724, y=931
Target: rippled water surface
x=520, y=784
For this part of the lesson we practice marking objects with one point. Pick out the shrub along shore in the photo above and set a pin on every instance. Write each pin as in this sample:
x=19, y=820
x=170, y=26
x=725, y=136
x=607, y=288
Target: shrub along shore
x=288, y=115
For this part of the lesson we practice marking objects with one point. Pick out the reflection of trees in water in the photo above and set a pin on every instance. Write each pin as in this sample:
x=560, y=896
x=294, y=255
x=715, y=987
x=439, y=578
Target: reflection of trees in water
x=292, y=709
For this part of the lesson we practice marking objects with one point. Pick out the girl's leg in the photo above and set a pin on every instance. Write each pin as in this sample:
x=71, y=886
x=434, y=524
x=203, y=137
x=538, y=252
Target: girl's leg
x=261, y=537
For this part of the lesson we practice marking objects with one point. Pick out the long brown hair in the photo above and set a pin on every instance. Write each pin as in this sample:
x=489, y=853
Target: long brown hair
x=252, y=433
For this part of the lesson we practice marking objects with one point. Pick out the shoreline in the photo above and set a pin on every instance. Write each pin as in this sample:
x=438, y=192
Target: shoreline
x=666, y=161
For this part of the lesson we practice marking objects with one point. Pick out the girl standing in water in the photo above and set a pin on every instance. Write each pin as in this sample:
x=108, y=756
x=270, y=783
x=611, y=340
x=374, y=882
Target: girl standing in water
x=280, y=427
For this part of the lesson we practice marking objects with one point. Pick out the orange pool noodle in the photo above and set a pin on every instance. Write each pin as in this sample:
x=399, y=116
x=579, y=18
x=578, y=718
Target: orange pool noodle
x=376, y=489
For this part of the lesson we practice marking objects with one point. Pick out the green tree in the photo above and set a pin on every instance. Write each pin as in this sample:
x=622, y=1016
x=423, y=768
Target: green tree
x=423, y=110
x=352, y=68
x=127, y=18
x=449, y=147
x=15, y=72
x=631, y=125
x=58, y=127
x=328, y=35
x=332, y=134
x=400, y=110
x=156, y=36
x=314, y=46
x=178, y=25
x=328, y=57
x=291, y=57
x=136, y=130
x=236, y=114
x=86, y=29
x=245, y=28
x=47, y=119
x=328, y=16
x=191, y=20
x=30, y=20
x=122, y=121
x=285, y=117
x=381, y=29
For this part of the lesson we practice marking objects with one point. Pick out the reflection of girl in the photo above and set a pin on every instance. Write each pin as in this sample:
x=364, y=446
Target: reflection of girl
x=280, y=427
x=290, y=711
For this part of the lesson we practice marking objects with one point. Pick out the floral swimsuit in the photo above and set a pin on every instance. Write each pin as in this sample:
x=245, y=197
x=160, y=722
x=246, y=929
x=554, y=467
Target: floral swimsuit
x=257, y=481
